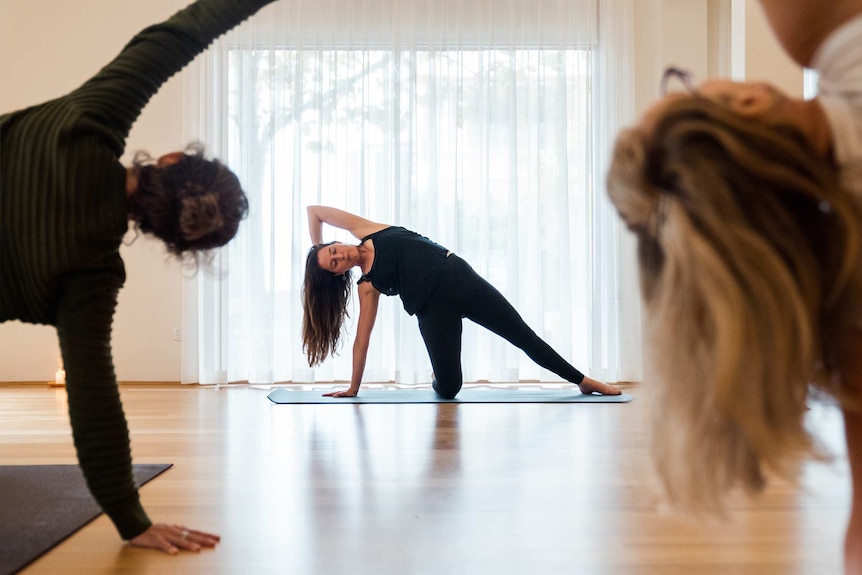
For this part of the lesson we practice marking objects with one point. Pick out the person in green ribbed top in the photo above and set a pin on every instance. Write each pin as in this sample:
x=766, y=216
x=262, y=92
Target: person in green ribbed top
x=65, y=204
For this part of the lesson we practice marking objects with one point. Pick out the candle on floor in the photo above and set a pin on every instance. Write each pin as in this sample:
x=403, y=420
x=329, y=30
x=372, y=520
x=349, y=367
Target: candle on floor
x=60, y=377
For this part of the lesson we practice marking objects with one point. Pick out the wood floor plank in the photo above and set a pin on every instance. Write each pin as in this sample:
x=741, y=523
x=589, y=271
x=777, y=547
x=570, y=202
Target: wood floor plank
x=422, y=489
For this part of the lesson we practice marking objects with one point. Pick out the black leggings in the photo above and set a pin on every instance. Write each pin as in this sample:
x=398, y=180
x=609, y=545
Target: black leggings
x=464, y=293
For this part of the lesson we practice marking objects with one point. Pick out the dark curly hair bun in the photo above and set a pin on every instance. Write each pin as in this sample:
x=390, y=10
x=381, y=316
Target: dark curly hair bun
x=192, y=205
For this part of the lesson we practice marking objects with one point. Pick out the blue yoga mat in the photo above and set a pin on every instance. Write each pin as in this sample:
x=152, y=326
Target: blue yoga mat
x=283, y=395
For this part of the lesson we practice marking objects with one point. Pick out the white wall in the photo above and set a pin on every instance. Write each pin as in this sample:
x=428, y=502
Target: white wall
x=47, y=48
x=669, y=33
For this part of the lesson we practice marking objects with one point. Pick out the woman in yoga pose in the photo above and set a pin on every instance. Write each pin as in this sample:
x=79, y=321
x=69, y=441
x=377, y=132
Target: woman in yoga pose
x=434, y=284
x=746, y=207
x=65, y=204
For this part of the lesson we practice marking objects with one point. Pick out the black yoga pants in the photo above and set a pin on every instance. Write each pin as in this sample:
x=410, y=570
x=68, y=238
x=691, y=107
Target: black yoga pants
x=464, y=293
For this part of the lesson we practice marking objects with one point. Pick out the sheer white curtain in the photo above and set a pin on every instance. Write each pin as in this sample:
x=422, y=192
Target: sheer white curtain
x=482, y=124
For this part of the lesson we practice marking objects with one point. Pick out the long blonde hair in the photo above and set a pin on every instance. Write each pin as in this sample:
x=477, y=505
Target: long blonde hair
x=747, y=245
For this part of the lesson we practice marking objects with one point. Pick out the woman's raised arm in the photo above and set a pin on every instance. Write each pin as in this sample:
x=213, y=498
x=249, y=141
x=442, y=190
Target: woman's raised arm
x=356, y=225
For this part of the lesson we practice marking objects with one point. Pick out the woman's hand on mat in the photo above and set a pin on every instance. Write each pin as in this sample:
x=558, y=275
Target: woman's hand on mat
x=349, y=392
x=172, y=538
x=590, y=385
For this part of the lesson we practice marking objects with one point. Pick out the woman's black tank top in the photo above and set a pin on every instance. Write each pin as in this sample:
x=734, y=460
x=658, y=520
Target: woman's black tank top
x=405, y=264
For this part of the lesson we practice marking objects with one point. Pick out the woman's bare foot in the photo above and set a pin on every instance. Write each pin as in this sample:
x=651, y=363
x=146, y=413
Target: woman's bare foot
x=590, y=385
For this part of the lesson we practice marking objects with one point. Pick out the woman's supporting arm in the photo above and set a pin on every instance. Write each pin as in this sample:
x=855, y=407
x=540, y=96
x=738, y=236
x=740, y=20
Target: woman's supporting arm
x=84, y=319
x=369, y=297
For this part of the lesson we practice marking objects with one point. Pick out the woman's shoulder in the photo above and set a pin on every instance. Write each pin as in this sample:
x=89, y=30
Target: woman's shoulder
x=384, y=230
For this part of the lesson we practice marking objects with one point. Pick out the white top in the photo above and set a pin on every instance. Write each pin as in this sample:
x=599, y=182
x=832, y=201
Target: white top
x=839, y=63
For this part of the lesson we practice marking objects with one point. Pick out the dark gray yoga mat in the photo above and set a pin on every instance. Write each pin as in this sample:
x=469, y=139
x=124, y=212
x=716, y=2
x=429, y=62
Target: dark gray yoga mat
x=284, y=395
x=42, y=505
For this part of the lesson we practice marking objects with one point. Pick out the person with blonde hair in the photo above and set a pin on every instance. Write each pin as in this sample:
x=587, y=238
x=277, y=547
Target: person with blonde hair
x=746, y=208
x=66, y=201
x=434, y=284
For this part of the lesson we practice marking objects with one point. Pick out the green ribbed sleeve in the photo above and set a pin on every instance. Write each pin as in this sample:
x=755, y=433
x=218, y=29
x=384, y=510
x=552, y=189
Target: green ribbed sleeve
x=99, y=426
x=118, y=93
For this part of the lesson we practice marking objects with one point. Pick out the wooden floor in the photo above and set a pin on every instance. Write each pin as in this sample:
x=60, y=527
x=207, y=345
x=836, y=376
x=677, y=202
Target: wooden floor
x=470, y=489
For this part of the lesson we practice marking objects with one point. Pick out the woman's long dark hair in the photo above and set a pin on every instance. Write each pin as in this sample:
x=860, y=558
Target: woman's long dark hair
x=324, y=307
x=193, y=205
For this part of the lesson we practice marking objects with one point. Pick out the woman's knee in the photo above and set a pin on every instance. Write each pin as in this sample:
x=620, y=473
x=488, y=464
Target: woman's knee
x=447, y=388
